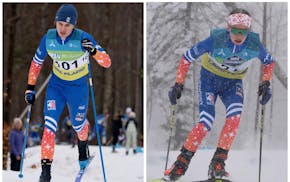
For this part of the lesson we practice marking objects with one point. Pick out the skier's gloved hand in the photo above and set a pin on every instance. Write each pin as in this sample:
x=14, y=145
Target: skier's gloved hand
x=175, y=93
x=89, y=46
x=30, y=94
x=265, y=92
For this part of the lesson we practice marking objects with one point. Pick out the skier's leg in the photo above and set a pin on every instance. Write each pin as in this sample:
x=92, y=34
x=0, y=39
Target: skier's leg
x=233, y=100
x=78, y=104
x=207, y=96
x=53, y=107
x=83, y=146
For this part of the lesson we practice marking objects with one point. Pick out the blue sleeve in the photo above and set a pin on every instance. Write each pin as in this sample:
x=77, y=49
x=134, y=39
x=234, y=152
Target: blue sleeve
x=41, y=52
x=85, y=35
x=264, y=56
x=199, y=49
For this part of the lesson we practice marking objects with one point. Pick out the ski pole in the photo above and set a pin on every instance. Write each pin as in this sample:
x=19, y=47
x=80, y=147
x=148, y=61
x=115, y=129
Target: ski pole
x=170, y=133
x=261, y=139
x=25, y=140
x=96, y=121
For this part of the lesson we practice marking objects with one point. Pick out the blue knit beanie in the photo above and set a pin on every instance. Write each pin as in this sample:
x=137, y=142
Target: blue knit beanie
x=67, y=13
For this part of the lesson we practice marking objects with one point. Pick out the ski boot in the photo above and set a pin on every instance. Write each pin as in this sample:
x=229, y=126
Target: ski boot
x=45, y=173
x=84, y=154
x=179, y=167
x=217, y=166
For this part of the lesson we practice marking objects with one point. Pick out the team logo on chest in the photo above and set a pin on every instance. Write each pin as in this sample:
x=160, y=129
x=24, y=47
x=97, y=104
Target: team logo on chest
x=52, y=44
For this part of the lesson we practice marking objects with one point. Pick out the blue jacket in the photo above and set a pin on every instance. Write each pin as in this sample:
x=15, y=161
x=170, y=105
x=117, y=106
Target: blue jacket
x=16, y=140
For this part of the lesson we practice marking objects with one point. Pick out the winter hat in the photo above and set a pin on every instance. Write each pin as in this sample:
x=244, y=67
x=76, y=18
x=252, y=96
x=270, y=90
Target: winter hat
x=67, y=13
x=128, y=110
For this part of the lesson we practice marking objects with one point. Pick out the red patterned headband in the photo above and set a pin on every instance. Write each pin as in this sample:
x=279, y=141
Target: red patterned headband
x=239, y=18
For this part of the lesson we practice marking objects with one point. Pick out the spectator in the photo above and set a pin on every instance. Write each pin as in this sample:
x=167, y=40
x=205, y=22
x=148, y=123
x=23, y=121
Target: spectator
x=116, y=127
x=125, y=116
x=102, y=118
x=16, y=140
x=131, y=133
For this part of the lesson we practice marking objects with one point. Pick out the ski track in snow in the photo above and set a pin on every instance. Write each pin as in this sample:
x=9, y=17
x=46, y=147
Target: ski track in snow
x=118, y=166
x=243, y=165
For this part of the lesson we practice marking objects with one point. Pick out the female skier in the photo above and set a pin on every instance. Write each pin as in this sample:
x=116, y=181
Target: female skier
x=227, y=54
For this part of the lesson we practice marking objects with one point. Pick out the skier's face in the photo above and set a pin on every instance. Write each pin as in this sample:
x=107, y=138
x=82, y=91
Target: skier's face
x=238, y=34
x=64, y=29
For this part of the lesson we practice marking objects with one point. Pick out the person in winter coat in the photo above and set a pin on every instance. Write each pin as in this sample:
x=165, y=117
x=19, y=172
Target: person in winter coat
x=227, y=54
x=69, y=48
x=116, y=127
x=16, y=141
x=131, y=133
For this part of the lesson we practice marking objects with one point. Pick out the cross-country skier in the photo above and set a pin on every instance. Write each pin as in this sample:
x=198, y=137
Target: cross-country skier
x=227, y=54
x=69, y=49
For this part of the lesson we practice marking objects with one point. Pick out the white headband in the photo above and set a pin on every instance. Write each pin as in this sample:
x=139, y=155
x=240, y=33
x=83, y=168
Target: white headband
x=239, y=18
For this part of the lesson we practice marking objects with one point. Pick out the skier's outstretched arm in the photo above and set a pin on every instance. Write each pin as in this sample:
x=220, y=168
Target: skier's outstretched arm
x=96, y=51
x=34, y=70
x=267, y=72
x=188, y=57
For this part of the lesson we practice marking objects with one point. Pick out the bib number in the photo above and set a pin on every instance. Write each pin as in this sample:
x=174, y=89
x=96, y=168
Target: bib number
x=71, y=65
x=67, y=65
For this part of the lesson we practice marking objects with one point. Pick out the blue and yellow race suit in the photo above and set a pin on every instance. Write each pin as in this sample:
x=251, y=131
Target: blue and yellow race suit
x=224, y=64
x=68, y=84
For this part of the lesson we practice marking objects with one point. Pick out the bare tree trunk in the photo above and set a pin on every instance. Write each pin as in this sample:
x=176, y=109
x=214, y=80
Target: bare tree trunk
x=11, y=50
x=139, y=76
x=129, y=62
x=108, y=90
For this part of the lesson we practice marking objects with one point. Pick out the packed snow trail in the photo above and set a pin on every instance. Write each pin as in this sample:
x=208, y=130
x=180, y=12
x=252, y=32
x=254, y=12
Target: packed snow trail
x=119, y=166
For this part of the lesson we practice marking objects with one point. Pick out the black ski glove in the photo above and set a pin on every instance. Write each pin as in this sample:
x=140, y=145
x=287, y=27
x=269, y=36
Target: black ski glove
x=30, y=94
x=175, y=93
x=265, y=92
x=89, y=46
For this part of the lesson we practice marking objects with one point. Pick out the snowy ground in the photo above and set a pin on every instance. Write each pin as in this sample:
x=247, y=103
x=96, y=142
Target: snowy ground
x=118, y=166
x=242, y=165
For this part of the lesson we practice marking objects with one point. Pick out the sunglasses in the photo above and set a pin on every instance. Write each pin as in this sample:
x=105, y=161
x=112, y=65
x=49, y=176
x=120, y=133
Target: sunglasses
x=237, y=31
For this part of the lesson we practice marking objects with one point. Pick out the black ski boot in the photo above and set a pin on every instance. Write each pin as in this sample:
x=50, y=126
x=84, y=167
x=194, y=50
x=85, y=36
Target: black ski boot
x=45, y=173
x=217, y=166
x=179, y=167
x=84, y=153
